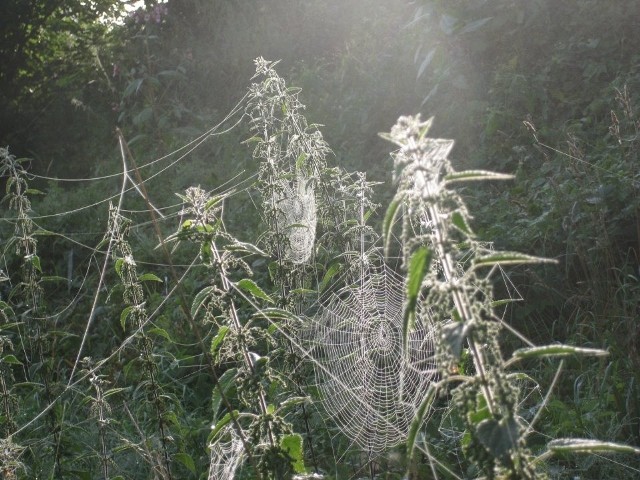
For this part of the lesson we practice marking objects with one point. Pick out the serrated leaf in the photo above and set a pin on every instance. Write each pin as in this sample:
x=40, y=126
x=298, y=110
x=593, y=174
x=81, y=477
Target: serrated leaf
x=481, y=411
x=508, y=258
x=213, y=201
x=300, y=161
x=499, y=437
x=460, y=222
x=419, y=265
x=186, y=460
x=584, y=445
x=113, y=391
x=199, y=299
x=389, y=220
x=35, y=262
x=292, y=445
x=225, y=382
x=124, y=315
x=557, y=351
x=161, y=332
x=254, y=139
x=292, y=401
x=245, y=247
x=453, y=334
x=252, y=287
x=475, y=175
x=11, y=360
x=118, y=265
x=224, y=421
x=217, y=340
x=329, y=274
x=149, y=277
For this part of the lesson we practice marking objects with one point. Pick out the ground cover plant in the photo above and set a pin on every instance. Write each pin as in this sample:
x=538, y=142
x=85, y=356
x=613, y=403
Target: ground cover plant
x=309, y=346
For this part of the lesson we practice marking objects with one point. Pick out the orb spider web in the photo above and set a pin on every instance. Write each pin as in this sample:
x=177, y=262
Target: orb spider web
x=370, y=384
x=296, y=218
x=226, y=454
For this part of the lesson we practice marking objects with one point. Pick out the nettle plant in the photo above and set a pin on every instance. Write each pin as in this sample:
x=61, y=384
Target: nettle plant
x=449, y=272
x=317, y=335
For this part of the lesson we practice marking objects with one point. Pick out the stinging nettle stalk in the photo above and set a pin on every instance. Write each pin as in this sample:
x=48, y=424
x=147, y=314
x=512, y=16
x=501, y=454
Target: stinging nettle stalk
x=449, y=272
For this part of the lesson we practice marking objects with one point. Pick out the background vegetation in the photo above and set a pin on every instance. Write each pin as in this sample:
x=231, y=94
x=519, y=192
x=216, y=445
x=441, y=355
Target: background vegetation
x=545, y=90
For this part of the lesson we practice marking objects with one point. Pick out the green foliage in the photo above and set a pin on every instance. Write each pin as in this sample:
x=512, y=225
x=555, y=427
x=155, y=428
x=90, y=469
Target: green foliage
x=539, y=89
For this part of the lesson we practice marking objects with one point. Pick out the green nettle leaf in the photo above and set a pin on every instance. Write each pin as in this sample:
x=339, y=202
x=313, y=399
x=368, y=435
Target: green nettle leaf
x=186, y=460
x=252, y=287
x=223, y=422
x=418, y=420
x=474, y=175
x=113, y=391
x=557, y=351
x=292, y=445
x=453, y=334
x=508, y=258
x=149, y=277
x=499, y=437
x=118, y=265
x=124, y=315
x=389, y=220
x=245, y=247
x=199, y=299
x=460, y=222
x=7, y=310
x=161, y=332
x=217, y=340
x=35, y=261
x=11, y=360
x=481, y=412
x=419, y=264
x=583, y=445
x=226, y=381
x=329, y=274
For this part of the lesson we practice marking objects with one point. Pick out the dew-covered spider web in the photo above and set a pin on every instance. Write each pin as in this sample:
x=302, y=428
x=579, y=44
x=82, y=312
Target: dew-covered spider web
x=296, y=218
x=227, y=455
x=370, y=385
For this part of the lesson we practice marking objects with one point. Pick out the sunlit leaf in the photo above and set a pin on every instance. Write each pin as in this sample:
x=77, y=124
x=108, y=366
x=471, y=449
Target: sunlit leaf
x=200, y=299
x=292, y=445
x=508, y=258
x=124, y=315
x=460, y=222
x=584, y=445
x=252, y=287
x=149, y=277
x=389, y=220
x=558, y=351
x=217, y=340
x=475, y=175
x=419, y=264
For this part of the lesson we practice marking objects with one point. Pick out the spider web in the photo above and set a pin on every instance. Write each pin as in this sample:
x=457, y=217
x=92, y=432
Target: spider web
x=296, y=218
x=370, y=385
x=227, y=454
